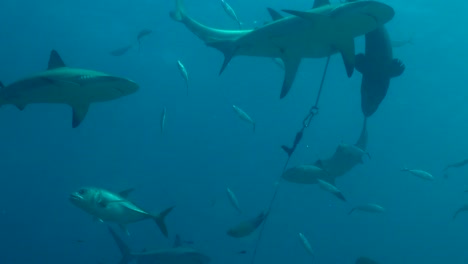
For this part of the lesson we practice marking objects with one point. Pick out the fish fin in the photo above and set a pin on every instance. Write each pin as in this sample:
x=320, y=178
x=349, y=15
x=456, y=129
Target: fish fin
x=79, y=113
x=396, y=68
x=291, y=64
x=313, y=17
x=2, y=85
x=124, y=229
x=177, y=241
x=227, y=47
x=126, y=192
x=179, y=13
x=340, y=196
x=319, y=3
x=127, y=256
x=20, y=106
x=346, y=47
x=55, y=61
x=360, y=63
x=319, y=164
x=275, y=15
x=159, y=219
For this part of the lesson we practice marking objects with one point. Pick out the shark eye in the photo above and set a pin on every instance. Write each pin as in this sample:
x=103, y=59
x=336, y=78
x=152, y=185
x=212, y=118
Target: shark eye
x=82, y=191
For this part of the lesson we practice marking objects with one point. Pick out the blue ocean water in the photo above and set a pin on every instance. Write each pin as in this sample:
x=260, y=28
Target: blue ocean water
x=206, y=148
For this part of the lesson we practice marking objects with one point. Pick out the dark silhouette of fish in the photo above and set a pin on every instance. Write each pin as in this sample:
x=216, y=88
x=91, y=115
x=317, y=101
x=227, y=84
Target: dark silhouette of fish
x=142, y=34
x=121, y=51
x=377, y=67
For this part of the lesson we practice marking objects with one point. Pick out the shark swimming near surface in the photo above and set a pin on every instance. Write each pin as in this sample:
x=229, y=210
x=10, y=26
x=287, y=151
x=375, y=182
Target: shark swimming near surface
x=319, y=32
x=60, y=84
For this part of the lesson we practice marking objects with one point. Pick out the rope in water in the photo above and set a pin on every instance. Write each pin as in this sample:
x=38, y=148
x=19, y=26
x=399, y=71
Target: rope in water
x=305, y=123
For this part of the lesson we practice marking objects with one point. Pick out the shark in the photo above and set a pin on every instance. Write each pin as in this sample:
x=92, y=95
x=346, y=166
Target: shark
x=325, y=171
x=377, y=67
x=178, y=254
x=320, y=32
x=60, y=84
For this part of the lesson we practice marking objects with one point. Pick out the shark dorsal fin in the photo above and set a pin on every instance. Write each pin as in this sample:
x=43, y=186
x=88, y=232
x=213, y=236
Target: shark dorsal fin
x=55, y=61
x=275, y=15
x=319, y=3
x=125, y=193
x=177, y=242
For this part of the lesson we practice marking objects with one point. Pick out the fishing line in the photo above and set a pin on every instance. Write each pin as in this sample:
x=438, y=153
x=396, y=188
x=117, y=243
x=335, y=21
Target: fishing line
x=290, y=150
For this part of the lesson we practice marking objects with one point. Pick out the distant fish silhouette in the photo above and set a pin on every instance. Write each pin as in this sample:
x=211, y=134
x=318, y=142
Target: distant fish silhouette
x=142, y=34
x=121, y=51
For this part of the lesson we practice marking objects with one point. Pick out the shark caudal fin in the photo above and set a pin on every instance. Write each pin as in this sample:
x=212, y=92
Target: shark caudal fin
x=179, y=13
x=127, y=256
x=159, y=219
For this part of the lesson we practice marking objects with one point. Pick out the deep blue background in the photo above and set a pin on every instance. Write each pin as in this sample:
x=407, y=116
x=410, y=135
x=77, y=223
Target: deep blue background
x=205, y=149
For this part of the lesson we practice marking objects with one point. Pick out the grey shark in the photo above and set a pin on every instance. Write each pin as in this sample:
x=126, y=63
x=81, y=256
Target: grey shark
x=346, y=156
x=377, y=66
x=317, y=33
x=178, y=254
x=60, y=84
x=325, y=171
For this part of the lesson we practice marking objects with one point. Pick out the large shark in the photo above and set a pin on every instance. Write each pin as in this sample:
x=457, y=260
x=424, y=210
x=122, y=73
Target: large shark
x=60, y=84
x=377, y=66
x=319, y=32
x=178, y=254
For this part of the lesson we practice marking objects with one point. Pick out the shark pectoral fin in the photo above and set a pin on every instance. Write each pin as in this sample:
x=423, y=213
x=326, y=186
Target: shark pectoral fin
x=291, y=64
x=55, y=61
x=319, y=3
x=346, y=47
x=396, y=68
x=79, y=113
x=274, y=14
x=126, y=192
x=313, y=17
x=360, y=63
x=227, y=47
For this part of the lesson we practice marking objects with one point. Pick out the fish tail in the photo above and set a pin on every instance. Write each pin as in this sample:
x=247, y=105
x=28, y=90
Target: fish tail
x=159, y=219
x=127, y=256
x=179, y=13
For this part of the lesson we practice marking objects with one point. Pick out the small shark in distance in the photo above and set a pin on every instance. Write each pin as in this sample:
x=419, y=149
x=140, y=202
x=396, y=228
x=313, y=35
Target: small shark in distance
x=178, y=254
x=60, y=84
x=319, y=32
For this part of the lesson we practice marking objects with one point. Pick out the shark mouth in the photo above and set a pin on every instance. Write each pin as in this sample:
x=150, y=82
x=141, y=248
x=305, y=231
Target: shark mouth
x=75, y=197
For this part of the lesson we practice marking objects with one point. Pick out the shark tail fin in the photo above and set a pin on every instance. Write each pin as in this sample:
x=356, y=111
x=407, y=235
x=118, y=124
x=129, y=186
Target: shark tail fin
x=159, y=219
x=227, y=47
x=124, y=249
x=179, y=13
